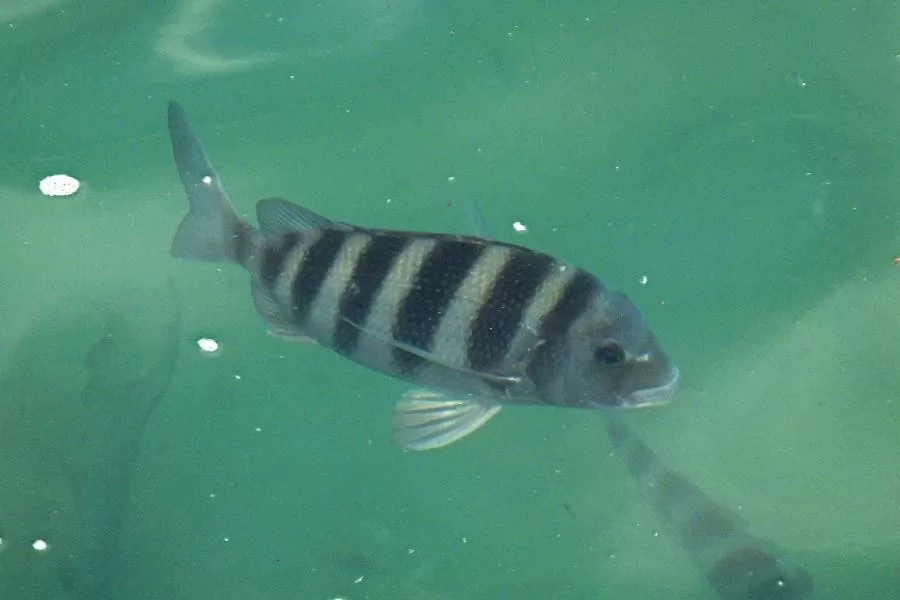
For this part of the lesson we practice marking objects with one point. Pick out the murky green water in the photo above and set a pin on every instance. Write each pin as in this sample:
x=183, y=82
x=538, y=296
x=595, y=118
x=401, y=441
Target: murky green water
x=732, y=169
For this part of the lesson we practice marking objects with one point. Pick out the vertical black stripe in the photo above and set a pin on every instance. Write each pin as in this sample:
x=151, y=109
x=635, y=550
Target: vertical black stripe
x=359, y=295
x=555, y=326
x=432, y=290
x=274, y=255
x=499, y=318
x=639, y=459
x=705, y=519
x=314, y=269
x=708, y=522
x=750, y=572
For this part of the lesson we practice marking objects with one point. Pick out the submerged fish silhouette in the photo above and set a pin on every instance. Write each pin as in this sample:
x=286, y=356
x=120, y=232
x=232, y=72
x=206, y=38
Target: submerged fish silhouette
x=73, y=459
x=737, y=564
x=111, y=433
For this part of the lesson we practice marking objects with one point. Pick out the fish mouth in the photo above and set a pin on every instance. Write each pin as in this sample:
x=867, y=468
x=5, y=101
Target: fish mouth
x=655, y=396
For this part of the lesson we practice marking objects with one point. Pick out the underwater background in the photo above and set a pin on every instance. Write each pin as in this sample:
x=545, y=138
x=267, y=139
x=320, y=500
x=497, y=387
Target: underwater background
x=735, y=169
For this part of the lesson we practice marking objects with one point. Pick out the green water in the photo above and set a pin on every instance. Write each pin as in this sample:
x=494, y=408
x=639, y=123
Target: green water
x=744, y=159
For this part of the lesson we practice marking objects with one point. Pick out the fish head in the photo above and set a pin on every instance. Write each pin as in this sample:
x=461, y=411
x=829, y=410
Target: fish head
x=613, y=359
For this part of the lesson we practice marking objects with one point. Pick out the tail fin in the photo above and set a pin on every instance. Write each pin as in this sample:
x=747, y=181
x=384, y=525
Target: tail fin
x=211, y=231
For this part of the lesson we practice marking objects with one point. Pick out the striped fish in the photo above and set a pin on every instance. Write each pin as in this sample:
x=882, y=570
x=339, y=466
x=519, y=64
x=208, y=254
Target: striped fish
x=476, y=322
x=737, y=564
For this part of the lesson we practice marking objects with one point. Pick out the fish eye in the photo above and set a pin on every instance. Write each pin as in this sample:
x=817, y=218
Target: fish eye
x=609, y=354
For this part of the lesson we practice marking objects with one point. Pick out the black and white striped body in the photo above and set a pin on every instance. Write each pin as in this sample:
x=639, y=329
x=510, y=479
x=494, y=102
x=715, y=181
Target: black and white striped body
x=489, y=322
x=478, y=307
x=737, y=564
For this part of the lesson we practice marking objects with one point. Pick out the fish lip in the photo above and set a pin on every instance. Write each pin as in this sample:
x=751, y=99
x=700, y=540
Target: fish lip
x=659, y=395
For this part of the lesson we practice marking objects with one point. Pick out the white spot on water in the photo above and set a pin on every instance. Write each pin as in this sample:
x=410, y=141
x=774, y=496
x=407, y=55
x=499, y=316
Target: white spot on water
x=40, y=545
x=237, y=377
x=59, y=185
x=208, y=345
x=451, y=179
x=359, y=579
x=643, y=280
x=520, y=227
x=207, y=180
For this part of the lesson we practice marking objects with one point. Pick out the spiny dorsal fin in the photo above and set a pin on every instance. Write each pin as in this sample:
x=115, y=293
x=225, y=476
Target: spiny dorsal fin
x=277, y=216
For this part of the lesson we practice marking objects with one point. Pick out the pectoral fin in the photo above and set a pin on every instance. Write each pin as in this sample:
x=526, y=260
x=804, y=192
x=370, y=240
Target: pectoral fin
x=424, y=420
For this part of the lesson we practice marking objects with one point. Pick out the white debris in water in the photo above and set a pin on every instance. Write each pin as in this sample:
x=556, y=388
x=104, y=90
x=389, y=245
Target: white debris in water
x=40, y=545
x=520, y=227
x=59, y=185
x=208, y=345
x=451, y=179
x=207, y=180
x=643, y=280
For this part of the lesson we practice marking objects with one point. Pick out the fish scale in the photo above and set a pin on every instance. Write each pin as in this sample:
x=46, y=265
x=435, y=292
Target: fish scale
x=495, y=325
x=317, y=262
x=432, y=291
x=453, y=339
x=369, y=275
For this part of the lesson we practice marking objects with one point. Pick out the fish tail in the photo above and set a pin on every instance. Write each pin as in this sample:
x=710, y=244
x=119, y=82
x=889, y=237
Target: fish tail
x=212, y=231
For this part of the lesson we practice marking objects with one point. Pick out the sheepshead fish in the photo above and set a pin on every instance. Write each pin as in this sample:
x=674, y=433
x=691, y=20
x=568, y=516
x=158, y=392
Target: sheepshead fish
x=737, y=564
x=477, y=322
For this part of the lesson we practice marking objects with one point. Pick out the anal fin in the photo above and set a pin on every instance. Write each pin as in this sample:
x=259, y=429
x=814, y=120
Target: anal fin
x=425, y=420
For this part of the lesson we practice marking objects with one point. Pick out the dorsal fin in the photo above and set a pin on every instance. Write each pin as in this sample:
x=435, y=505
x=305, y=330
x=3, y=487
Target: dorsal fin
x=277, y=216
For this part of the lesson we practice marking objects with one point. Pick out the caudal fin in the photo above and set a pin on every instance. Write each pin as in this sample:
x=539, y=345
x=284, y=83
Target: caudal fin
x=211, y=231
